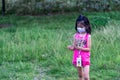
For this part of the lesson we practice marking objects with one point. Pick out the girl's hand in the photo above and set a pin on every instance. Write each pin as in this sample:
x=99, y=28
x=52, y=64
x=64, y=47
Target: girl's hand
x=78, y=47
x=70, y=47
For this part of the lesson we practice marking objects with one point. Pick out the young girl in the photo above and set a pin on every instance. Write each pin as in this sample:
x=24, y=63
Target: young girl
x=81, y=47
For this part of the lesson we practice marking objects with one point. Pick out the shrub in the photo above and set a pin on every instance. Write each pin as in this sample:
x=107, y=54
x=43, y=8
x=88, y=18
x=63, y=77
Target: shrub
x=50, y=6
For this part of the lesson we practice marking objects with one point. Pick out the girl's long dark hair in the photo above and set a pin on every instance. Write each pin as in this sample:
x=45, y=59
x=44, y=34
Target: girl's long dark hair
x=85, y=22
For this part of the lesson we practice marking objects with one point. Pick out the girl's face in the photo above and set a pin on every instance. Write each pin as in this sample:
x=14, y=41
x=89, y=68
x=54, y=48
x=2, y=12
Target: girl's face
x=81, y=27
x=80, y=24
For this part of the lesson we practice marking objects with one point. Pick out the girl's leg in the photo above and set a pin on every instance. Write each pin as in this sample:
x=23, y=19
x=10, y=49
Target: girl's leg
x=80, y=73
x=86, y=72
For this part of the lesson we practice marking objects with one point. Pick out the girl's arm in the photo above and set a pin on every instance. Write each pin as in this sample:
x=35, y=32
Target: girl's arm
x=70, y=47
x=88, y=45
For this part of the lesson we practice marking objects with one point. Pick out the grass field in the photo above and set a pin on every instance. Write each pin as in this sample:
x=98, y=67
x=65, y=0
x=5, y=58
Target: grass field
x=35, y=47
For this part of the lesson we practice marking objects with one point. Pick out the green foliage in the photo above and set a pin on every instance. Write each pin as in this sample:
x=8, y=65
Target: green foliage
x=59, y=6
x=36, y=47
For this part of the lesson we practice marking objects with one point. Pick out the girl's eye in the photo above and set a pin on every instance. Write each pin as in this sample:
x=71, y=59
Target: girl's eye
x=80, y=23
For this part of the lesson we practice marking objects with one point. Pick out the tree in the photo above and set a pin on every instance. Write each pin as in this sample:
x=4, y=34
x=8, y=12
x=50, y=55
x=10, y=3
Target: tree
x=3, y=7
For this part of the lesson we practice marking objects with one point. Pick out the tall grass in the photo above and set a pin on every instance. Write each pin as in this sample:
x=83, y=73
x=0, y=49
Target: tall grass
x=35, y=48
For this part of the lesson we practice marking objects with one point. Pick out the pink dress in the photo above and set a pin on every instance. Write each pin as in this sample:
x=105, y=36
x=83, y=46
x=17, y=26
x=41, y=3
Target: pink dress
x=85, y=55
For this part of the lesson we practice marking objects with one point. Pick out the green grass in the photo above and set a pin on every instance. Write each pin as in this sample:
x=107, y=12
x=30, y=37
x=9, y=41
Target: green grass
x=35, y=47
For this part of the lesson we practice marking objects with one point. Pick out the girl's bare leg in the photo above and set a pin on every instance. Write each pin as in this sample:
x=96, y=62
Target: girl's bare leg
x=80, y=73
x=86, y=72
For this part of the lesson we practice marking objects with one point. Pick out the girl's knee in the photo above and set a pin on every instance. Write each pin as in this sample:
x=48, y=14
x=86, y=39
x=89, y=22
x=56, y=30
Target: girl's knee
x=80, y=75
x=86, y=76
